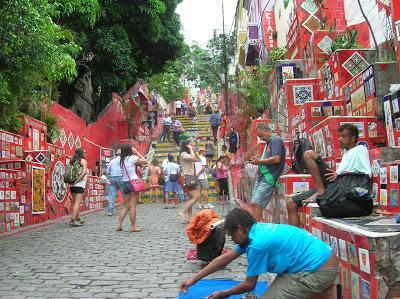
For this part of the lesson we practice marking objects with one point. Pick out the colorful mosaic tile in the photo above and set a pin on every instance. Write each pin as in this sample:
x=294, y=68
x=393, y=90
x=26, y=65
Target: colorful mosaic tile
x=309, y=6
x=71, y=141
x=326, y=45
x=312, y=24
x=355, y=64
x=78, y=143
x=63, y=137
x=302, y=94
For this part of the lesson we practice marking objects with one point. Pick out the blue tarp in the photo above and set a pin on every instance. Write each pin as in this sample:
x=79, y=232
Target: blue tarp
x=206, y=287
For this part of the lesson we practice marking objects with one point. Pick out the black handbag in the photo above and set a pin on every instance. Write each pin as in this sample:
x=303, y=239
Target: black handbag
x=348, y=196
x=190, y=181
x=173, y=177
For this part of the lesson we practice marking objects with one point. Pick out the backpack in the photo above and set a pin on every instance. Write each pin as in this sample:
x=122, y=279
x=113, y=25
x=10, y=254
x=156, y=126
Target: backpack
x=300, y=146
x=72, y=172
x=212, y=247
x=348, y=196
x=173, y=177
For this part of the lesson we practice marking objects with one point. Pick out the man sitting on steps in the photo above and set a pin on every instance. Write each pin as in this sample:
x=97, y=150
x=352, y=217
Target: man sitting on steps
x=354, y=160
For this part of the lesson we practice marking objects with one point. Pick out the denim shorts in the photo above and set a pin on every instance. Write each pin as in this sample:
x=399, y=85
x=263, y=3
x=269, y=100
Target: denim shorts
x=203, y=184
x=262, y=193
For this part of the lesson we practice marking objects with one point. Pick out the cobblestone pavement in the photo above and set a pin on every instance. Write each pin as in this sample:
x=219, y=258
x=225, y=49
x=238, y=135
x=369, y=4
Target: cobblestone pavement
x=95, y=261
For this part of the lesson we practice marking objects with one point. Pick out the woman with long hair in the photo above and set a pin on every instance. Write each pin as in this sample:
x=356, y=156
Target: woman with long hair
x=78, y=188
x=130, y=157
x=154, y=178
x=187, y=158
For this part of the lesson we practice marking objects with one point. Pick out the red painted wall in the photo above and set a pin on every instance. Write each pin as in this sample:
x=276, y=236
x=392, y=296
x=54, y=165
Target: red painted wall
x=106, y=132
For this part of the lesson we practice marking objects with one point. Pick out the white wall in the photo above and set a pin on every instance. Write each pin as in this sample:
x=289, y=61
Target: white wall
x=380, y=23
x=281, y=20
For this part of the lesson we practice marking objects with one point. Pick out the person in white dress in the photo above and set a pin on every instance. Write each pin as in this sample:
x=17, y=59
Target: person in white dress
x=130, y=157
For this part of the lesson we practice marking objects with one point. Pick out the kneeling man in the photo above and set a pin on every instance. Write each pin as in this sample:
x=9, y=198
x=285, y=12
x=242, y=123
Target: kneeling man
x=305, y=265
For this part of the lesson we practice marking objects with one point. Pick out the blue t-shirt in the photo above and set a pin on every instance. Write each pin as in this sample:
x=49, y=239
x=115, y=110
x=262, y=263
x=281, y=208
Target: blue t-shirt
x=280, y=248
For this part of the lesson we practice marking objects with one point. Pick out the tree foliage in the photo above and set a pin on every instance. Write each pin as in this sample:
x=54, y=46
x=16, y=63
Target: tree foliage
x=205, y=67
x=254, y=83
x=131, y=40
x=168, y=83
x=45, y=44
x=346, y=40
x=34, y=51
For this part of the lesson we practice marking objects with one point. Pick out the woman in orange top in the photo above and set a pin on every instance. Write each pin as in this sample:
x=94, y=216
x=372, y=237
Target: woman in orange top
x=222, y=128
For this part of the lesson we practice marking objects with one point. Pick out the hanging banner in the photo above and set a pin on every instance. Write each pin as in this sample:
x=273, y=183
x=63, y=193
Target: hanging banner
x=269, y=30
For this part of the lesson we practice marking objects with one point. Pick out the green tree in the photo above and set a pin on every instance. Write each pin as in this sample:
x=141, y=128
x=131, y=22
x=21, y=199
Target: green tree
x=35, y=52
x=168, y=83
x=254, y=83
x=132, y=39
x=205, y=67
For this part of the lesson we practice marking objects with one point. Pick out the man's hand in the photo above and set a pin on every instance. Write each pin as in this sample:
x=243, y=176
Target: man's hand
x=331, y=176
x=254, y=161
x=186, y=284
x=217, y=295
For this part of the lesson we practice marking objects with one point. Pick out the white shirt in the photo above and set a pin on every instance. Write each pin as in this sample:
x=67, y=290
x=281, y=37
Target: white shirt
x=114, y=167
x=171, y=168
x=178, y=104
x=199, y=165
x=164, y=164
x=130, y=166
x=355, y=159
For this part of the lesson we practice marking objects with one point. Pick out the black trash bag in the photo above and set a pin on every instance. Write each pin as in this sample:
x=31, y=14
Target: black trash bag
x=212, y=247
x=348, y=196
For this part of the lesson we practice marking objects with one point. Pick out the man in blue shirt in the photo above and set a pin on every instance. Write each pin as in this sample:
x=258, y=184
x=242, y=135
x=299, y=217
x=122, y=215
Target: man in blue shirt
x=215, y=122
x=305, y=265
x=114, y=172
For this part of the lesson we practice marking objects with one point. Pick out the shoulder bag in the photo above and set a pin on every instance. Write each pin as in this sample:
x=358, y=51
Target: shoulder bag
x=190, y=181
x=135, y=185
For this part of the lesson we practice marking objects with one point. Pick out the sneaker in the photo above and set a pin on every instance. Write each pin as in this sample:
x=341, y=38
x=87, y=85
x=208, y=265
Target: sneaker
x=74, y=222
x=110, y=214
x=200, y=206
x=210, y=206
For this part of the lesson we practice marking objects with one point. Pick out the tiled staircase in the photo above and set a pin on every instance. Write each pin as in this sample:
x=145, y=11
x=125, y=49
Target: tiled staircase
x=199, y=130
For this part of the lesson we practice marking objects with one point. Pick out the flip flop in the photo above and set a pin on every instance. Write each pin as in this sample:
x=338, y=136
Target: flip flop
x=119, y=229
x=136, y=230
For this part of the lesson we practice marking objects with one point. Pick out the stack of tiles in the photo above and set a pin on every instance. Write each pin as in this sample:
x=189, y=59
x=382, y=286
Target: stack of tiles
x=11, y=210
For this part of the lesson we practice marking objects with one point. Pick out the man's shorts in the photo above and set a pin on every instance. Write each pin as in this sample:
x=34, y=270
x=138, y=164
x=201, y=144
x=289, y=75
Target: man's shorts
x=262, y=193
x=301, y=285
x=203, y=184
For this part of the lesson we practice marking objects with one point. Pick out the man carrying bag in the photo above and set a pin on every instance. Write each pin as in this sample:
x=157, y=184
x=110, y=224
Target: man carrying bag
x=345, y=192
